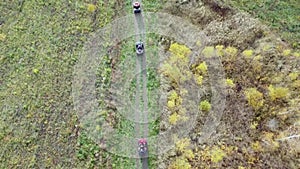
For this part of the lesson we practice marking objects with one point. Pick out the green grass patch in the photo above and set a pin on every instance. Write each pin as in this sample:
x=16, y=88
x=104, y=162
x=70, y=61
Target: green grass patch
x=40, y=43
x=282, y=15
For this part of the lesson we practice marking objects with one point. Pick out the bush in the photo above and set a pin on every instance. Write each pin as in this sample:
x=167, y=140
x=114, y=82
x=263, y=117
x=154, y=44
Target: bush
x=286, y=52
x=182, y=145
x=296, y=84
x=293, y=75
x=189, y=154
x=2, y=37
x=248, y=53
x=217, y=154
x=278, y=92
x=205, y=106
x=185, y=154
x=171, y=104
x=180, y=50
x=219, y=49
x=229, y=83
x=171, y=71
x=256, y=146
x=91, y=7
x=174, y=105
x=202, y=68
x=296, y=54
x=231, y=51
x=180, y=163
x=174, y=118
x=176, y=66
x=173, y=95
x=254, y=98
x=199, y=79
x=174, y=99
x=208, y=51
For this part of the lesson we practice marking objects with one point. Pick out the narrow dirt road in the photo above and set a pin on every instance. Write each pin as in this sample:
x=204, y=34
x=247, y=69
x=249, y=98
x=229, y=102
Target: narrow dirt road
x=141, y=102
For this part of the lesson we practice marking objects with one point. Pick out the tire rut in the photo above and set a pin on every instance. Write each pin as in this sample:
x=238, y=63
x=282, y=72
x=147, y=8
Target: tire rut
x=141, y=66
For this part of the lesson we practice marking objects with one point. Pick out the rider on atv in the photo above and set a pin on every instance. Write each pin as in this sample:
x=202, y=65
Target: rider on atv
x=139, y=46
x=142, y=143
x=136, y=7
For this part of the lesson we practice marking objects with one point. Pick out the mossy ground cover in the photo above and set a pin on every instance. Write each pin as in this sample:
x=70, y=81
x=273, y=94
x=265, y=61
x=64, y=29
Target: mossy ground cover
x=281, y=15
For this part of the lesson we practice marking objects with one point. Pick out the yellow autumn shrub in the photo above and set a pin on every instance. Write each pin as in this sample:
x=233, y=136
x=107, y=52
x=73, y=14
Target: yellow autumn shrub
x=296, y=84
x=180, y=163
x=183, y=149
x=296, y=54
x=176, y=66
x=254, y=97
x=189, y=154
x=182, y=145
x=179, y=50
x=205, y=106
x=174, y=118
x=293, y=75
x=91, y=7
x=278, y=92
x=217, y=154
x=248, y=53
x=2, y=37
x=229, y=82
x=220, y=50
x=202, y=68
x=231, y=52
x=171, y=104
x=286, y=52
x=199, y=79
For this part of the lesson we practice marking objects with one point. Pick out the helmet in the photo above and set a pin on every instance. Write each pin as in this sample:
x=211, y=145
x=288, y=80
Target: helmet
x=136, y=4
x=142, y=141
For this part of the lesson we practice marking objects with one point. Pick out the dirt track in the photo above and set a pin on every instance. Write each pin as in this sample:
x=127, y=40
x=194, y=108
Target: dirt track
x=141, y=102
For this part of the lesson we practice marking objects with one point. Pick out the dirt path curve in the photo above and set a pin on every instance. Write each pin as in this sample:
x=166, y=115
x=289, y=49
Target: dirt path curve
x=141, y=103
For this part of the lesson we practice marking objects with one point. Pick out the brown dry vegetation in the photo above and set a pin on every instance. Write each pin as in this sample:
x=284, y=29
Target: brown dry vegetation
x=255, y=121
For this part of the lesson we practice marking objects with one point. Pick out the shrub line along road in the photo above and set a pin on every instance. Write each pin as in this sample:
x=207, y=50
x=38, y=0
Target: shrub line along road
x=141, y=110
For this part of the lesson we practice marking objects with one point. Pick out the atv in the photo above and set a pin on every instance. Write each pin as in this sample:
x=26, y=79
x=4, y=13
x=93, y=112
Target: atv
x=142, y=147
x=139, y=47
x=136, y=7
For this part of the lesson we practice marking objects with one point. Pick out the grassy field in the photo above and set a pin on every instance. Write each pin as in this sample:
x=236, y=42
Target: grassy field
x=40, y=43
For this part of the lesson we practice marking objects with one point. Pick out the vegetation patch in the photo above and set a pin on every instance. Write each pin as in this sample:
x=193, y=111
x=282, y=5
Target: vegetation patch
x=281, y=15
